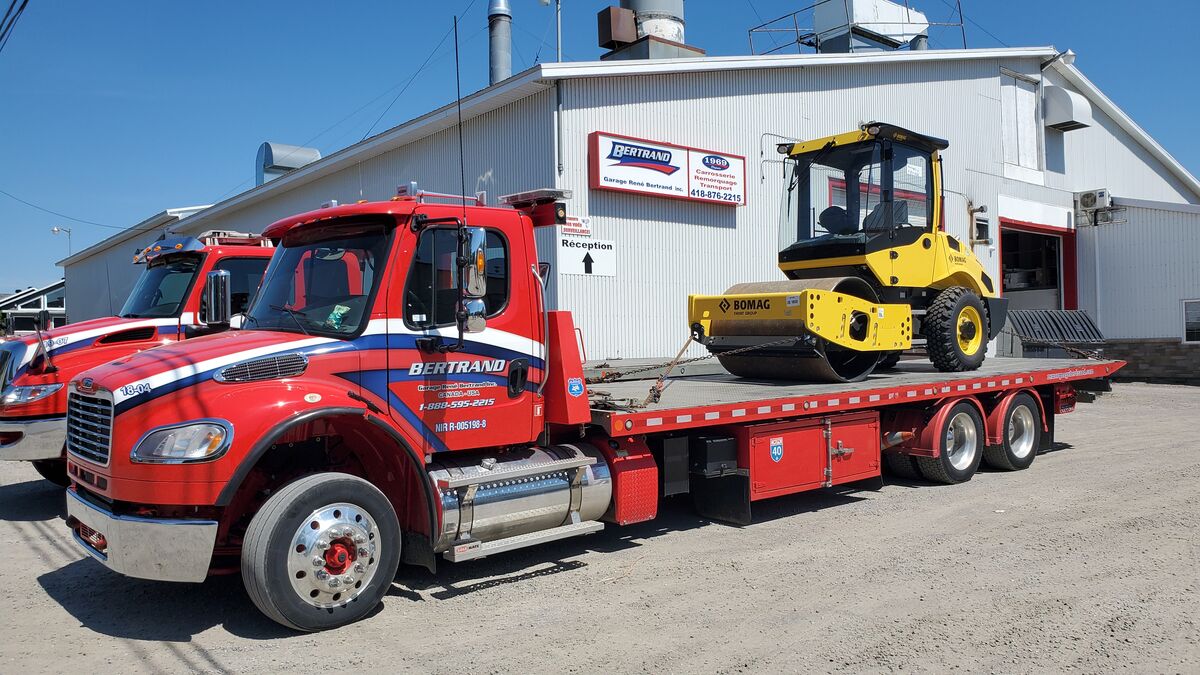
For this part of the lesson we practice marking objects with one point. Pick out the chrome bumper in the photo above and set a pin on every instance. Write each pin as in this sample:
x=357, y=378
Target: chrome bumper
x=40, y=439
x=146, y=548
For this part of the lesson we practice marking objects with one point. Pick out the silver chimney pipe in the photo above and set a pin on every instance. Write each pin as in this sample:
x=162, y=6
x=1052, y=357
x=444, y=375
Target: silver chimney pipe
x=499, y=41
x=660, y=18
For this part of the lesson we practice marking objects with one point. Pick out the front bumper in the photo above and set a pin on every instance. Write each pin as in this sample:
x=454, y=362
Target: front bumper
x=39, y=439
x=162, y=549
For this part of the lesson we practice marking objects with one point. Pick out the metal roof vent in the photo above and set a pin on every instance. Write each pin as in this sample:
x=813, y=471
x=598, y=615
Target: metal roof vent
x=276, y=159
x=1067, y=110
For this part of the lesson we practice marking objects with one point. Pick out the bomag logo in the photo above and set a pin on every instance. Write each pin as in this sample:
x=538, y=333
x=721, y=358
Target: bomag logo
x=457, y=367
x=749, y=305
x=958, y=259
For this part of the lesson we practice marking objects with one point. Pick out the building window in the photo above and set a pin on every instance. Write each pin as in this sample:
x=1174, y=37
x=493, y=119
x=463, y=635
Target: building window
x=1191, y=320
x=1019, y=117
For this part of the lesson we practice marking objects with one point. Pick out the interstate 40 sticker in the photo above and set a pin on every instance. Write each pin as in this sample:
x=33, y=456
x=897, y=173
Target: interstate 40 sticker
x=628, y=164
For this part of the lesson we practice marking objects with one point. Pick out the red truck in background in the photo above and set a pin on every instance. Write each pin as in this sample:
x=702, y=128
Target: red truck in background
x=162, y=307
x=400, y=392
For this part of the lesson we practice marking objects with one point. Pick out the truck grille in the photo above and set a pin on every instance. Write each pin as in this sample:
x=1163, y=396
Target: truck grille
x=89, y=427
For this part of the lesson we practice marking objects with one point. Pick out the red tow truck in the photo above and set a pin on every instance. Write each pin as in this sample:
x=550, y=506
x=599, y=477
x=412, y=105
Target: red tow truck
x=163, y=307
x=399, y=392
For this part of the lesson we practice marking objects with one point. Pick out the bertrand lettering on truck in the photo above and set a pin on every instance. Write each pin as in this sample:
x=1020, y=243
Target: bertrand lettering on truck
x=162, y=308
x=399, y=392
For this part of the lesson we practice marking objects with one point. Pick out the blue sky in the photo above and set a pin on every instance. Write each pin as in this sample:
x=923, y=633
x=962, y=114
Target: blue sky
x=111, y=112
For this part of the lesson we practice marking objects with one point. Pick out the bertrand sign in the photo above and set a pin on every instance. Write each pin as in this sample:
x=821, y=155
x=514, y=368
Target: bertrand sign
x=627, y=164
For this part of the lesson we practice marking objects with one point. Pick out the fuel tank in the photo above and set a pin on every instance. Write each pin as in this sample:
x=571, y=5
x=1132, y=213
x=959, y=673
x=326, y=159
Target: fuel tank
x=493, y=496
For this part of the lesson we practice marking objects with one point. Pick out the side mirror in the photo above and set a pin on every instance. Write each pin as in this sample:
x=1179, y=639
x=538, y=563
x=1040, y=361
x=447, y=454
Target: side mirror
x=473, y=262
x=43, y=320
x=472, y=315
x=218, y=303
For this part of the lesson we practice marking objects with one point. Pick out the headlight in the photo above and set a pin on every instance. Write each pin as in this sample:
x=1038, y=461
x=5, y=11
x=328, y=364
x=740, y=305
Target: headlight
x=194, y=442
x=19, y=395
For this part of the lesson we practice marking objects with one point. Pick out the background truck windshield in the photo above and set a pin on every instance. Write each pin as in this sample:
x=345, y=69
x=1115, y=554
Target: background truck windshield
x=323, y=287
x=162, y=288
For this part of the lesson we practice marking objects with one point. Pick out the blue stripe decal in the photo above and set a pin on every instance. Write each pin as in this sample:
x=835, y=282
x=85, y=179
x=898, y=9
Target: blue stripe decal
x=376, y=382
x=392, y=341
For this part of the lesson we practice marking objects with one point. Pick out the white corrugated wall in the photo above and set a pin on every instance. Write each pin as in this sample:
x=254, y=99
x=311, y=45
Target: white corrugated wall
x=1147, y=267
x=668, y=249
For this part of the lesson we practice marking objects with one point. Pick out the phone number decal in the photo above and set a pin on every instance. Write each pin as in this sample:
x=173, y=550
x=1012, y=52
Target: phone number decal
x=717, y=196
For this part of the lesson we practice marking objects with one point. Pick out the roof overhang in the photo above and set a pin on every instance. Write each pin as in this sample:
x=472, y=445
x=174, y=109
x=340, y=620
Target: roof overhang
x=151, y=224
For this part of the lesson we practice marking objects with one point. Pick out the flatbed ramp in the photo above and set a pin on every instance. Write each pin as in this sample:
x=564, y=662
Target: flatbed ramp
x=715, y=399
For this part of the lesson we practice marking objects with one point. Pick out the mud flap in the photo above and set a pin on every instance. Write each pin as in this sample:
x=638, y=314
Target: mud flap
x=725, y=499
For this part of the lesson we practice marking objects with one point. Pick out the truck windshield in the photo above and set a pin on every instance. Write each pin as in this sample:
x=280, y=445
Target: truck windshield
x=322, y=287
x=851, y=193
x=162, y=288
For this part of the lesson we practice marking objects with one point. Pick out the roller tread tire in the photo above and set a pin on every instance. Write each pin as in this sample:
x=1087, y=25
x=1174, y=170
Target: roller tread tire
x=1000, y=456
x=889, y=361
x=940, y=328
x=265, y=526
x=938, y=469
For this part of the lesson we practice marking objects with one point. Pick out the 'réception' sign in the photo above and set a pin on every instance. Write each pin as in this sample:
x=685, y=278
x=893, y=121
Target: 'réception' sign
x=628, y=164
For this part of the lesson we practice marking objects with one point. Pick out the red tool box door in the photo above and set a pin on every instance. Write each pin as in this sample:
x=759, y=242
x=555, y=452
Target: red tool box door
x=855, y=447
x=784, y=458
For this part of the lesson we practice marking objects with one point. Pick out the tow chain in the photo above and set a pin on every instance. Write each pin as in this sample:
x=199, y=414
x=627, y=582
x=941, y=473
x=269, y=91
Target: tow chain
x=659, y=385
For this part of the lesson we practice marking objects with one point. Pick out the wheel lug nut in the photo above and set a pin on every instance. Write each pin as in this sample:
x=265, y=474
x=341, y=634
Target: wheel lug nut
x=334, y=583
x=358, y=567
x=322, y=575
x=318, y=562
x=348, y=532
x=363, y=552
x=322, y=545
x=360, y=539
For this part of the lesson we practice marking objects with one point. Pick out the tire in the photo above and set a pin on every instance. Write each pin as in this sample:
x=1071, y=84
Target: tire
x=889, y=361
x=901, y=466
x=1022, y=427
x=956, y=330
x=962, y=439
x=53, y=470
x=281, y=546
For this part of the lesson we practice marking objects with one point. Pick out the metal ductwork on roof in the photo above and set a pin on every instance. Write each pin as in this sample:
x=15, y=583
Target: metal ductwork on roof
x=276, y=159
x=659, y=18
x=1066, y=110
x=499, y=41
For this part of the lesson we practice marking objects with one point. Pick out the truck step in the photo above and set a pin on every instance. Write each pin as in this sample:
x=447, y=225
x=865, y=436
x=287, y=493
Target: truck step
x=477, y=549
x=538, y=469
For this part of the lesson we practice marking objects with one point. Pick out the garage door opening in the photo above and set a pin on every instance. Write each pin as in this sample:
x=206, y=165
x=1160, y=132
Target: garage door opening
x=1037, y=265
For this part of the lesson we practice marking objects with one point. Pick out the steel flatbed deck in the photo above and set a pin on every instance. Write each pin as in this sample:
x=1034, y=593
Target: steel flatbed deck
x=718, y=399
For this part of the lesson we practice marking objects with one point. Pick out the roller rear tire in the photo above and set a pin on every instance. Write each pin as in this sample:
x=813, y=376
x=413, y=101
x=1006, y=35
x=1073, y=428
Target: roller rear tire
x=956, y=330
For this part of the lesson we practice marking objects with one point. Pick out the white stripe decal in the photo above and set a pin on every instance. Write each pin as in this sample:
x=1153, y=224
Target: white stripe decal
x=490, y=336
x=834, y=401
x=654, y=422
x=854, y=399
x=738, y=413
x=683, y=419
x=912, y=393
x=764, y=409
x=788, y=407
x=171, y=376
x=873, y=397
x=711, y=415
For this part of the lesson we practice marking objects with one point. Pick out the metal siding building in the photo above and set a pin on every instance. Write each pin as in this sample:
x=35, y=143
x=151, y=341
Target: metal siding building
x=531, y=131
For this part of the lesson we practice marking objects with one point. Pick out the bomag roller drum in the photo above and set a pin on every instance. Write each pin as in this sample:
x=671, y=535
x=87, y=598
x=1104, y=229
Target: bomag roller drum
x=809, y=358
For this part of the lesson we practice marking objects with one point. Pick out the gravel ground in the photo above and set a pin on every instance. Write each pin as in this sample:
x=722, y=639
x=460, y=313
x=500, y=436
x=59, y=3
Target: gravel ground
x=1088, y=562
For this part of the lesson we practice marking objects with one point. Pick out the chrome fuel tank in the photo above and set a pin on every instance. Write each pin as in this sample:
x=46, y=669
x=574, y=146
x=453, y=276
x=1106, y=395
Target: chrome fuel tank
x=496, y=496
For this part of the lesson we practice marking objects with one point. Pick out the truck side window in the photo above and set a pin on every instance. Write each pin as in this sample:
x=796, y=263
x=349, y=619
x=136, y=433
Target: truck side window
x=244, y=276
x=431, y=294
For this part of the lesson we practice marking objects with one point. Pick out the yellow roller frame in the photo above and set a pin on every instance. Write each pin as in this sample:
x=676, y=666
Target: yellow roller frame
x=826, y=314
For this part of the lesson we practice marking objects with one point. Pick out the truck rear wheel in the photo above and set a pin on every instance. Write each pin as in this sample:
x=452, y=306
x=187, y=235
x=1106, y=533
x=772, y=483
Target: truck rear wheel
x=1022, y=435
x=956, y=330
x=322, y=552
x=962, y=440
x=901, y=466
x=53, y=470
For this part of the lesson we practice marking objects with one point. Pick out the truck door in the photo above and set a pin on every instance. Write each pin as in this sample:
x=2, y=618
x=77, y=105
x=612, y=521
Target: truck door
x=476, y=396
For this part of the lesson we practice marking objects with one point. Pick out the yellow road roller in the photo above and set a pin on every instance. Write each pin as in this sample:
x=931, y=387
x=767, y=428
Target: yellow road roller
x=870, y=270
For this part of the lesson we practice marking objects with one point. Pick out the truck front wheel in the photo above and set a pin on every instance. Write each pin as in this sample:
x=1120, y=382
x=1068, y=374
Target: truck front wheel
x=322, y=552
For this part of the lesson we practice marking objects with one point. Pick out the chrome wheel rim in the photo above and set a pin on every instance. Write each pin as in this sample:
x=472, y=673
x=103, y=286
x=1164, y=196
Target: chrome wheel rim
x=1021, y=431
x=334, y=555
x=961, y=441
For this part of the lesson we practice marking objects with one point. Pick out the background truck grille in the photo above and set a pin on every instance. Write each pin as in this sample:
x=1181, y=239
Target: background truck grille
x=89, y=427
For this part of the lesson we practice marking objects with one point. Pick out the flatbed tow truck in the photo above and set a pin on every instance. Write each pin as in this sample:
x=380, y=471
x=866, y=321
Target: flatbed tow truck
x=399, y=393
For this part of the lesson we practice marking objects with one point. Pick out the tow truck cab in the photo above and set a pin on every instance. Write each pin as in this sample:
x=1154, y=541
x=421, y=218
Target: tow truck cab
x=400, y=392
x=163, y=307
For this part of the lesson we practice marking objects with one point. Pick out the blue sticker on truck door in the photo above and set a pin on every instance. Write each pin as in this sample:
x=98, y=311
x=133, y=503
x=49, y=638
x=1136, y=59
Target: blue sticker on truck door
x=575, y=386
x=777, y=448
